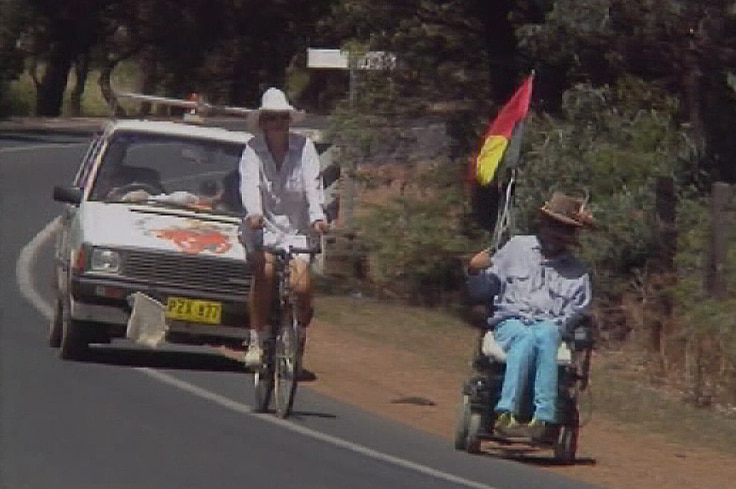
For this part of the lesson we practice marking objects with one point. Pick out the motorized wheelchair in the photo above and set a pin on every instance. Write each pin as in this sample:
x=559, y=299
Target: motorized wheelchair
x=482, y=390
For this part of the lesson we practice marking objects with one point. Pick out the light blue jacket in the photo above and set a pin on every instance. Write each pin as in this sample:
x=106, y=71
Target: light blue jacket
x=526, y=285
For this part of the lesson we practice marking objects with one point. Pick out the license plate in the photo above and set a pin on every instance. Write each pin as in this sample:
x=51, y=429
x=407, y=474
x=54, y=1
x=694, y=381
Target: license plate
x=194, y=310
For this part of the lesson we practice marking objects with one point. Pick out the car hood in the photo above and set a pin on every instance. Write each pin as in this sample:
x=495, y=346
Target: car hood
x=142, y=226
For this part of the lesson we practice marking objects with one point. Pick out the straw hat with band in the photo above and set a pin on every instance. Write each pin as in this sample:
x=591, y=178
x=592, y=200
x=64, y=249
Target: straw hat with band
x=568, y=210
x=273, y=100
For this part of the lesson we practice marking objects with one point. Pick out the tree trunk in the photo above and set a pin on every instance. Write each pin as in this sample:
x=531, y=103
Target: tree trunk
x=106, y=88
x=149, y=69
x=715, y=273
x=50, y=94
x=661, y=277
x=81, y=69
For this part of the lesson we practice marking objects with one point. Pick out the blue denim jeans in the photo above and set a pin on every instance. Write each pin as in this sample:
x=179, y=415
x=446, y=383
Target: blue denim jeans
x=531, y=356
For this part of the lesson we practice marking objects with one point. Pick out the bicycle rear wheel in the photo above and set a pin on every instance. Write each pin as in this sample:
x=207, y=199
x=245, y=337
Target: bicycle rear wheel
x=286, y=364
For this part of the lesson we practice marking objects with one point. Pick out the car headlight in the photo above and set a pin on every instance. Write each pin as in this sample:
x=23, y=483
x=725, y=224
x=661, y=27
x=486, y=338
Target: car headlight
x=104, y=260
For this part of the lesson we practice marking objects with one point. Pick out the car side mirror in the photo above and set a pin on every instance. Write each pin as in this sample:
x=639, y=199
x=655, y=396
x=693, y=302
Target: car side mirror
x=70, y=195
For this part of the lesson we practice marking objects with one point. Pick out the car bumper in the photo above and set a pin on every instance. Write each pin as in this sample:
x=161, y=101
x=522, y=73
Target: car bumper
x=105, y=301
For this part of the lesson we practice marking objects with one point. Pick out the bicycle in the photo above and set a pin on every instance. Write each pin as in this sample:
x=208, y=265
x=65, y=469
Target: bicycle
x=279, y=372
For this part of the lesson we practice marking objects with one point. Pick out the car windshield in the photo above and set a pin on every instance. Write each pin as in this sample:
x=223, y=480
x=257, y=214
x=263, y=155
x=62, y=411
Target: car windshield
x=173, y=171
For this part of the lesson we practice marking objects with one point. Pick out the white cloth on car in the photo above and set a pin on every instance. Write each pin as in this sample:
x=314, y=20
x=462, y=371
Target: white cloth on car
x=147, y=323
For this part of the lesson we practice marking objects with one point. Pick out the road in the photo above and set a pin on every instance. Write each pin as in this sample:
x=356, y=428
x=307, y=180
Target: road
x=175, y=418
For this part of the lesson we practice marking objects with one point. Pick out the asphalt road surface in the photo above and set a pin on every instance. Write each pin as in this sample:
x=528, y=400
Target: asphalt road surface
x=173, y=418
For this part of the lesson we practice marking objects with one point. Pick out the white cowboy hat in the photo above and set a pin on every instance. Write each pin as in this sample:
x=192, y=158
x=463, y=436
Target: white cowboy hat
x=273, y=100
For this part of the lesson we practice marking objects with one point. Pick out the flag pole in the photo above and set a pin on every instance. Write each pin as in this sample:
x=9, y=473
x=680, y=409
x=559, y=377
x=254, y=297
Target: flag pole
x=510, y=123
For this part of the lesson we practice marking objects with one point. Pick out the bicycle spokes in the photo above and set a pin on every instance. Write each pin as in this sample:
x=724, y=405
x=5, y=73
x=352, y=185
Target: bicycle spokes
x=263, y=384
x=286, y=369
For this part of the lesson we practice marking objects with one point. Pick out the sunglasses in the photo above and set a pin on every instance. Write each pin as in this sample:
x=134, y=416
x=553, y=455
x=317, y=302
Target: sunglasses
x=275, y=117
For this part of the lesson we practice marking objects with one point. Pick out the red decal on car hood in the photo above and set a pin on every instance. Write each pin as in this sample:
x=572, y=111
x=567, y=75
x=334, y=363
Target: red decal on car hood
x=196, y=238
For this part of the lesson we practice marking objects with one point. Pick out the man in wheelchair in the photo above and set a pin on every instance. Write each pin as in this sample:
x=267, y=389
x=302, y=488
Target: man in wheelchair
x=538, y=293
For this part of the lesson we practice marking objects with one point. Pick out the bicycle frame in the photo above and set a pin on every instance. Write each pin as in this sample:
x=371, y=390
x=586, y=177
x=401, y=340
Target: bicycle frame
x=283, y=349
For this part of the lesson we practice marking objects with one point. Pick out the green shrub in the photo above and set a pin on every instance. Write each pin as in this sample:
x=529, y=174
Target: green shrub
x=22, y=96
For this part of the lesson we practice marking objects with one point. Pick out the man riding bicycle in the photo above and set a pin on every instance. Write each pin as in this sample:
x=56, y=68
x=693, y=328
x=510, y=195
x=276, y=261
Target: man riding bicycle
x=282, y=193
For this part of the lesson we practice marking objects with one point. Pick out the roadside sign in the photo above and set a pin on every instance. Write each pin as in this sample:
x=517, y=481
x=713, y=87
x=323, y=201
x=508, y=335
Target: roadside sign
x=377, y=60
x=327, y=58
x=336, y=59
x=340, y=60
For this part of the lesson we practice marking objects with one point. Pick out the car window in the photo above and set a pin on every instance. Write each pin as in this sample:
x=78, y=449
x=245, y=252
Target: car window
x=164, y=165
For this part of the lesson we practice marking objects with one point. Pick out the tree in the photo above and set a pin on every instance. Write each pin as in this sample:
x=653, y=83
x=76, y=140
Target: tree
x=58, y=38
x=11, y=59
x=686, y=46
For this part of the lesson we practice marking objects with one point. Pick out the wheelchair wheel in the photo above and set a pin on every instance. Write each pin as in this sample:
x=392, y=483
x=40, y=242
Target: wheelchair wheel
x=566, y=445
x=473, y=439
x=286, y=365
x=461, y=423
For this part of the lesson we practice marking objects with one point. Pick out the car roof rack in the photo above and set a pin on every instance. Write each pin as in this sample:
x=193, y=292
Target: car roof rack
x=196, y=107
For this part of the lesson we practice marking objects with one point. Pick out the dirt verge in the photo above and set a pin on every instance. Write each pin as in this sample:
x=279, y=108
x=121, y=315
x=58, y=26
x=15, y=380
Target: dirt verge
x=397, y=383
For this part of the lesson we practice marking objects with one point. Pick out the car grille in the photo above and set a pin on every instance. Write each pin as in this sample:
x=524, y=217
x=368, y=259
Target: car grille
x=186, y=271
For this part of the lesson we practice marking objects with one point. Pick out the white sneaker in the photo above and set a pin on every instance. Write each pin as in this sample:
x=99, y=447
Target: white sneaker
x=253, y=356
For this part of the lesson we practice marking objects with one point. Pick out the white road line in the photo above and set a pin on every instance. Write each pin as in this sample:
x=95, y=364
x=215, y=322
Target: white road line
x=24, y=277
x=24, y=265
x=41, y=146
x=333, y=440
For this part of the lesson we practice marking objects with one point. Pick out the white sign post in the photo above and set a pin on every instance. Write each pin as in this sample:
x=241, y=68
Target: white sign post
x=340, y=60
x=337, y=59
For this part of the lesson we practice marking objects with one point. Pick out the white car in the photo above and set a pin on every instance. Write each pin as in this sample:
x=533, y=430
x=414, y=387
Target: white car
x=153, y=211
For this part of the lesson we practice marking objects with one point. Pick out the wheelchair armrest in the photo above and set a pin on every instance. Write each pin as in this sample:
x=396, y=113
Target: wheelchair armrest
x=582, y=338
x=578, y=332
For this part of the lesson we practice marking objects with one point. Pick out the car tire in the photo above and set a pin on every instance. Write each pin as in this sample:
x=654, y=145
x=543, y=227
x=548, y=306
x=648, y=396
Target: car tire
x=55, y=325
x=74, y=343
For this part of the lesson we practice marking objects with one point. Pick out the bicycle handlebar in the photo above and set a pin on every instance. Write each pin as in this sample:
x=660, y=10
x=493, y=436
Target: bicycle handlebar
x=252, y=240
x=291, y=250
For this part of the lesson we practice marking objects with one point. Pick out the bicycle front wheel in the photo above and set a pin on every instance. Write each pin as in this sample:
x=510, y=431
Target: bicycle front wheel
x=286, y=364
x=263, y=381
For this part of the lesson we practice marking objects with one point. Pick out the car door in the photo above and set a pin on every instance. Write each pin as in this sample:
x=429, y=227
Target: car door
x=61, y=252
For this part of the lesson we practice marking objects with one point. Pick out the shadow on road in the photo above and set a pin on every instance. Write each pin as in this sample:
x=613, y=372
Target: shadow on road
x=531, y=456
x=304, y=414
x=167, y=359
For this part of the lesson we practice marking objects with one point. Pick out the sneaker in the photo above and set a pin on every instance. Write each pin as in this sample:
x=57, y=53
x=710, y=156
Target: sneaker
x=505, y=421
x=253, y=356
x=509, y=427
x=540, y=431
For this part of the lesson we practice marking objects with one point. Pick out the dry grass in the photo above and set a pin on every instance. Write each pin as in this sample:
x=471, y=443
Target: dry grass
x=620, y=390
x=425, y=332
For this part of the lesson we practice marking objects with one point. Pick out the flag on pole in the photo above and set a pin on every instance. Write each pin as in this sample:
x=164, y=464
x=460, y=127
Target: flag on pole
x=504, y=131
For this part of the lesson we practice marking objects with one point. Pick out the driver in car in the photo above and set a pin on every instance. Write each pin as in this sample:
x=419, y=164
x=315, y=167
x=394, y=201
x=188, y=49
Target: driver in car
x=124, y=179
